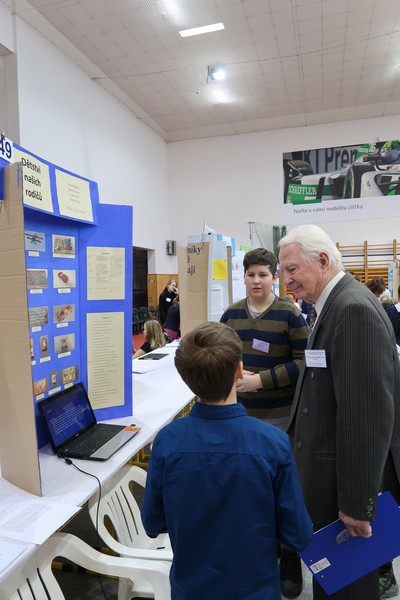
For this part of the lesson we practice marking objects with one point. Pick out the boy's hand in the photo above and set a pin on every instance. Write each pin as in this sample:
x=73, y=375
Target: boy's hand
x=250, y=382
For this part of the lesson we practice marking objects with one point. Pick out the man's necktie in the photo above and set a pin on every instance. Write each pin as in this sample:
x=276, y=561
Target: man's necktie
x=312, y=319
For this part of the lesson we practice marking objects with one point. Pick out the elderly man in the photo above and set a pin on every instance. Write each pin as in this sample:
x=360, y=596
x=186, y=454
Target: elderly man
x=344, y=425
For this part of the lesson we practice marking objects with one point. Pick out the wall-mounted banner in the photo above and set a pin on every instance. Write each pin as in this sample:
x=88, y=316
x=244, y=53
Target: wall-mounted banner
x=342, y=183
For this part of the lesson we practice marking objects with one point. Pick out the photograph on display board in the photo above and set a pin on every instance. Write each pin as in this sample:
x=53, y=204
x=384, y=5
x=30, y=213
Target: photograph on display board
x=35, y=241
x=44, y=346
x=53, y=379
x=38, y=316
x=31, y=349
x=63, y=313
x=36, y=278
x=69, y=374
x=64, y=343
x=40, y=386
x=64, y=279
x=342, y=173
x=63, y=246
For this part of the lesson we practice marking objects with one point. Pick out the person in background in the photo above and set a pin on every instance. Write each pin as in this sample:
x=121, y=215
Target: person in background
x=379, y=289
x=154, y=338
x=274, y=336
x=292, y=299
x=166, y=297
x=393, y=312
x=173, y=321
x=345, y=420
x=222, y=484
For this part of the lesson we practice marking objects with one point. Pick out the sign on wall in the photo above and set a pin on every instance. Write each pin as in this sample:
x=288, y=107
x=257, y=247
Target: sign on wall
x=343, y=182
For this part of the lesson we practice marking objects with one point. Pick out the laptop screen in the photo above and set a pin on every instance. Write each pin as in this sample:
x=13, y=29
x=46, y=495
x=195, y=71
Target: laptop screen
x=67, y=414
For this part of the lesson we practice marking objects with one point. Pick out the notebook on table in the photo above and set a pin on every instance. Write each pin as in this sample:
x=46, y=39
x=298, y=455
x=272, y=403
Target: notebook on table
x=73, y=430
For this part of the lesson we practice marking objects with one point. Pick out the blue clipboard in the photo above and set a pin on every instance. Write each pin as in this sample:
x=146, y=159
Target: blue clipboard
x=336, y=565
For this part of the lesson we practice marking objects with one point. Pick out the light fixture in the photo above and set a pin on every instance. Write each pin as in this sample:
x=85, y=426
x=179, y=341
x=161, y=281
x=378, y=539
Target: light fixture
x=200, y=30
x=216, y=74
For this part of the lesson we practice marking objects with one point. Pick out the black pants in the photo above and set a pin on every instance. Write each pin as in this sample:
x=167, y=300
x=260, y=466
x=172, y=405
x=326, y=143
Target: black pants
x=366, y=588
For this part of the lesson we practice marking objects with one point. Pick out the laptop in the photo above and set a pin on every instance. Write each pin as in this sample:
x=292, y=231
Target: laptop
x=73, y=430
x=152, y=356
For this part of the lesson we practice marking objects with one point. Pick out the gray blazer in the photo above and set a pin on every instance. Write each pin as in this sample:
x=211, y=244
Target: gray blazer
x=346, y=417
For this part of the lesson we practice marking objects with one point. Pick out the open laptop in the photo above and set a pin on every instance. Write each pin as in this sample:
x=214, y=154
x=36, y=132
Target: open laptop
x=73, y=430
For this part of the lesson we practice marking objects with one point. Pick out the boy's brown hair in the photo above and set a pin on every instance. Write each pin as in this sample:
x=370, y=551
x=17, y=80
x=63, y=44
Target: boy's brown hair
x=207, y=360
x=260, y=256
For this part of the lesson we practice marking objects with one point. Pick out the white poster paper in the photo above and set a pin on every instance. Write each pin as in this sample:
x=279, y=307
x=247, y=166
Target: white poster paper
x=105, y=352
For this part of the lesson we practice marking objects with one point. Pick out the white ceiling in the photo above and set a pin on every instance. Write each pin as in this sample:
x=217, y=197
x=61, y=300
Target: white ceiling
x=288, y=62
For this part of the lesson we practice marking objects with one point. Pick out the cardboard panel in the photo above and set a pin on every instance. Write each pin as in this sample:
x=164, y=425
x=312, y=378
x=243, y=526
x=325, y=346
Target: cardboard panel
x=193, y=264
x=18, y=443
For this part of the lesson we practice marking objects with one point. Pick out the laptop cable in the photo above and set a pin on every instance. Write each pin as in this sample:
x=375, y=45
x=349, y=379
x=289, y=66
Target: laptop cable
x=69, y=462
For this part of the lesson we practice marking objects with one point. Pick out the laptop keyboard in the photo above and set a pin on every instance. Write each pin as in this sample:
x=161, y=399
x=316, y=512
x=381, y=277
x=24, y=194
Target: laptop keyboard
x=94, y=440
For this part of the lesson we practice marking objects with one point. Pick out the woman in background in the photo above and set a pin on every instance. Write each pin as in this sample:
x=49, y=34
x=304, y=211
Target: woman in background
x=173, y=321
x=154, y=338
x=168, y=294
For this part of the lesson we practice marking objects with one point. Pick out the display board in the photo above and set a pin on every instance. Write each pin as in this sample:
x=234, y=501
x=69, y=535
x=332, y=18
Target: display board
x=66, y=311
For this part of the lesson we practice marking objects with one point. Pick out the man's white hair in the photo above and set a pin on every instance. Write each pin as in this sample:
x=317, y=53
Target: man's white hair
x=313, y=240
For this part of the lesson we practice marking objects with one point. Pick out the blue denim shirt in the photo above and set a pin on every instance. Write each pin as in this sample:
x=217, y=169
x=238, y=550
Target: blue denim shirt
x=225, y=488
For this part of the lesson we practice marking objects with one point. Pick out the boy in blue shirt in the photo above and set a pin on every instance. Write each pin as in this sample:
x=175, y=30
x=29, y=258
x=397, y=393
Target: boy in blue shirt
x=221, y=483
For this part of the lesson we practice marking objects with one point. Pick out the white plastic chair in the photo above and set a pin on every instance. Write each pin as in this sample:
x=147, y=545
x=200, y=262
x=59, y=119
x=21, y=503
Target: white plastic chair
x=35, y=579
x=119, y=508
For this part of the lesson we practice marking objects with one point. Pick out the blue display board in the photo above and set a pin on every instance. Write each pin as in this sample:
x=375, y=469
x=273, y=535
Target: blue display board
x=56, y=250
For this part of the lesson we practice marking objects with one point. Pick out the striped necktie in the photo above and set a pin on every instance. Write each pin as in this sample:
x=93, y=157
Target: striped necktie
x=312, y=319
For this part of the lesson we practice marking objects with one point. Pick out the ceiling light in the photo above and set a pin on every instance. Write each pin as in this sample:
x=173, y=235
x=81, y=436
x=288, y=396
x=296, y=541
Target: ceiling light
x=216, y=74
x=200, y=30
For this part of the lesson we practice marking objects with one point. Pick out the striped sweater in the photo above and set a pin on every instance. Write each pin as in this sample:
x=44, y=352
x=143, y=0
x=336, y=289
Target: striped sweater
x=283, y=334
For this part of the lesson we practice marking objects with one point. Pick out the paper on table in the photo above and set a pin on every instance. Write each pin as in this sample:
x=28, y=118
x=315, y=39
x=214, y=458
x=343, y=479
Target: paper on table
x=9, y=551
x=31, y=519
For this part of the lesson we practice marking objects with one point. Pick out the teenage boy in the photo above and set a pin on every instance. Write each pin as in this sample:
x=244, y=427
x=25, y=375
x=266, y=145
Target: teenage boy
x=221, y=483
x=274, y=336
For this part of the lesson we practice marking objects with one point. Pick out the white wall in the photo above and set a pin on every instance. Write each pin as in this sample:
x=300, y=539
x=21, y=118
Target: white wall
x=229, y=181
x=71, y=121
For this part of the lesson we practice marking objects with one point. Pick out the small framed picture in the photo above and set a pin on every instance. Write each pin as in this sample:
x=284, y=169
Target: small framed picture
x=36, y=278
x=64, y=343
x=53, y=379
x=38, y=316
x=40, y=386
x=69, y=374
x=63, y=313
x=63, y=246
x=44, y=346
x=64, y=278
x=35, y=241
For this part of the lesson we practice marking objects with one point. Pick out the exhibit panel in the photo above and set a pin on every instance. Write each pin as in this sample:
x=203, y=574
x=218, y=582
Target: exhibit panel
x=66, y=275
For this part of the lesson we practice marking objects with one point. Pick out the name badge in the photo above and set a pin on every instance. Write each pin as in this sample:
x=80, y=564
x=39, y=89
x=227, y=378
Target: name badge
x=168, y=299
x=315, y=358
x=260, y=345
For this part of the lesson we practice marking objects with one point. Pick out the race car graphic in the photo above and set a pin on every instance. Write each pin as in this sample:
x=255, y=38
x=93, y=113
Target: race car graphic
x=374, y=172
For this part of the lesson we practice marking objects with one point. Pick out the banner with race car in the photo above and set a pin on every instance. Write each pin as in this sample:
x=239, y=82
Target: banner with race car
x=345, y=182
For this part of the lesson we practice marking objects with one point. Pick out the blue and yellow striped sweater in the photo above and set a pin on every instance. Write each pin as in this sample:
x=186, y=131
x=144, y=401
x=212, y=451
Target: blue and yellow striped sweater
x=284, y=333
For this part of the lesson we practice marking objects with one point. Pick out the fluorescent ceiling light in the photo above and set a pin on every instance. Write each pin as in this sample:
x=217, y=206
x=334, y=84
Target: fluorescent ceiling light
x=200, y=30
x=216, y=73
